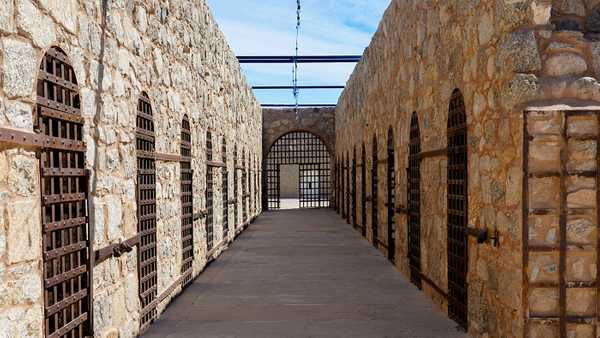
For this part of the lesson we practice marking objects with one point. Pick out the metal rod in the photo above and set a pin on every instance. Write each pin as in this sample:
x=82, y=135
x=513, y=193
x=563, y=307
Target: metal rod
x=300, y=59
x=299, y=87
x=300, y=105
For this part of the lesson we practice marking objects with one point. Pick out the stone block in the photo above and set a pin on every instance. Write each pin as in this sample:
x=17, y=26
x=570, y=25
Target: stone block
x=544, y=155
x=581, y=155
x=63, y=11
x=544, y=193
x=543, y=267
x=543, y=301
x=544, y=123
x=19, y=68
x=581, y=302
x=582, y=199
x=23, y=177
x=24, y=235
x=581, y=266
x=581, y=229
x=39, y=26
x=564, y=64
x=543, y=330
x=580, y=331
x=519, y=51
x=581, y=126
x=19, y=115
x=7, y=21
x=544, y=230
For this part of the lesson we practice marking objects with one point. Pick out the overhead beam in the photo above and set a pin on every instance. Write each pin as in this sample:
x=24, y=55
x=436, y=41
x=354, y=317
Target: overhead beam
x=300, y=59
x=300, y=105
x=299, y=87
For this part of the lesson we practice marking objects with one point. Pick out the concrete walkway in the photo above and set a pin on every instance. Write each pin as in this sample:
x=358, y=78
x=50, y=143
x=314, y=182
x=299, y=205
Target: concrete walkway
x=302, y=273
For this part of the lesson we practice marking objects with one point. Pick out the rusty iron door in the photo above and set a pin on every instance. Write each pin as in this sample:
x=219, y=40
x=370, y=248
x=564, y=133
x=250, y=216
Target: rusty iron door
x=391, y=196
x=209, y=193
x=363, y=192
x=146, y=197
x=187, y=202
x=64, y=188
x=225, y=185
x=414, y=201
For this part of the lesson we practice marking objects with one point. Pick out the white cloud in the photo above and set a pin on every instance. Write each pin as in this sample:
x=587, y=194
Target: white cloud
x=329, y=27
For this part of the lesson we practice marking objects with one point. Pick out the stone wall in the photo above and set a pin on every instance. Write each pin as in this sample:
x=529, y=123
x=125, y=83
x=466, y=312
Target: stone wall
x=174, y=51
x=319, y=121
x=505, y=57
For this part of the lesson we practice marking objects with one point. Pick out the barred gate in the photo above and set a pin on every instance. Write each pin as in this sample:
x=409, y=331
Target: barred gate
x=374, y=196
x=458, y=245
x=244, y=188
x=235, y=187
x=391, y=196
x=311, y=154
x=210, y=236
x=64, y=188
x=354, y=222
x=146, y=196
x=414, y=201
x=187, y=203
x=363, y=191
x=225, y=187
x=347, y=195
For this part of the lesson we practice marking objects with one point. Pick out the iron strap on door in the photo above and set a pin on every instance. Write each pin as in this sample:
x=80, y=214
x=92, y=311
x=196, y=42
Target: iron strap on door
x=209, y=193
x=187, y=202
x=374, y=196
x=457, y=211
x=414, y=201
x=146, y=210
x=65, y=226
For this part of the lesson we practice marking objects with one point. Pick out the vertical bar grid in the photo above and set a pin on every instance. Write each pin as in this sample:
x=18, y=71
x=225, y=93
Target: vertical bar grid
x=353, y=192
x=209, y=193
x=391, y=196
x=187, y=203
x=244, y=188
x=457, y=211
x=374, y=196
x=235, y=187
x=414, y=201
x=225, y=187
x=311, y=154
x=363, y=191
x=64, y=188
x=347, y=185
x=146, y=194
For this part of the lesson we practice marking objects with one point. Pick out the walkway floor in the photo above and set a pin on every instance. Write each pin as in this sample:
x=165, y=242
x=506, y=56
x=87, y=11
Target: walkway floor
x=302, y=273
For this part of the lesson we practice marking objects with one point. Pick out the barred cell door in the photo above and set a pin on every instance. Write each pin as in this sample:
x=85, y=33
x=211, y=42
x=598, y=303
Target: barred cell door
x=146, y=199
x=374, y=196
x=210, y=236
x=458, y=248
x=348, y=191
x=363, y=192
x=235, y=187
x=225, y=185
x=353, y=190
x=311, y=154
x=414, y=201
x=345, y=186
x=244, y=188
x=64, y=188
x=391, y=196
x=187, y=202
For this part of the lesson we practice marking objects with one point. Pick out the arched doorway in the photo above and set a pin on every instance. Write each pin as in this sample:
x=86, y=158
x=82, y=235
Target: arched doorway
x=458, y=248
x=298, y=157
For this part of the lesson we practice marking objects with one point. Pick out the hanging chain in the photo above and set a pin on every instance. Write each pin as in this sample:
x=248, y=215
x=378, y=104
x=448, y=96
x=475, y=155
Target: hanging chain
x=295, y=70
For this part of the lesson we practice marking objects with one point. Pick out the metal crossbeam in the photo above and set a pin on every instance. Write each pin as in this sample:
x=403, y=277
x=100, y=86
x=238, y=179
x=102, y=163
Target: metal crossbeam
x=299, y=87
x=293, y=105
x=300, y=59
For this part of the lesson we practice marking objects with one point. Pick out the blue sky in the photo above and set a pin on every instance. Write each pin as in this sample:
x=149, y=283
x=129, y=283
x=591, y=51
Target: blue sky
x=268, y=27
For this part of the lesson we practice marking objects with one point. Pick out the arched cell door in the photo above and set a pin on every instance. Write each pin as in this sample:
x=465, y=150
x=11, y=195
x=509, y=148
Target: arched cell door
x=458, y=248
x=187, y=202
x=391, y=196
x=146, y=199
x=363, y=191
x=414, y=201
x=64, y=189
x=311, y=155
x=374, y=195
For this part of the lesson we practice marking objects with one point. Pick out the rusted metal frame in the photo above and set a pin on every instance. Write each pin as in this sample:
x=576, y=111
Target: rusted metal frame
x=116, y=249
x=58, y=106
x=525, y=221
x=216, y=164
x=563, y=231
x=71, y=116
x=27, y=139
x=167, y=157
x=70, y=326
x=433, y=153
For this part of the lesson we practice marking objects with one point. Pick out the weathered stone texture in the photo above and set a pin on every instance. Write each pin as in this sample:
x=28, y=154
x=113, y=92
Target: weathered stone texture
x=175, y=52
x=504, y=56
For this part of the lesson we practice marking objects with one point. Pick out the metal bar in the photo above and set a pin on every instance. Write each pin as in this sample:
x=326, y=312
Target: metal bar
x=300, y=105
x=299, y=87
x=167, y=157
x=300, y=59
x=563, y=232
